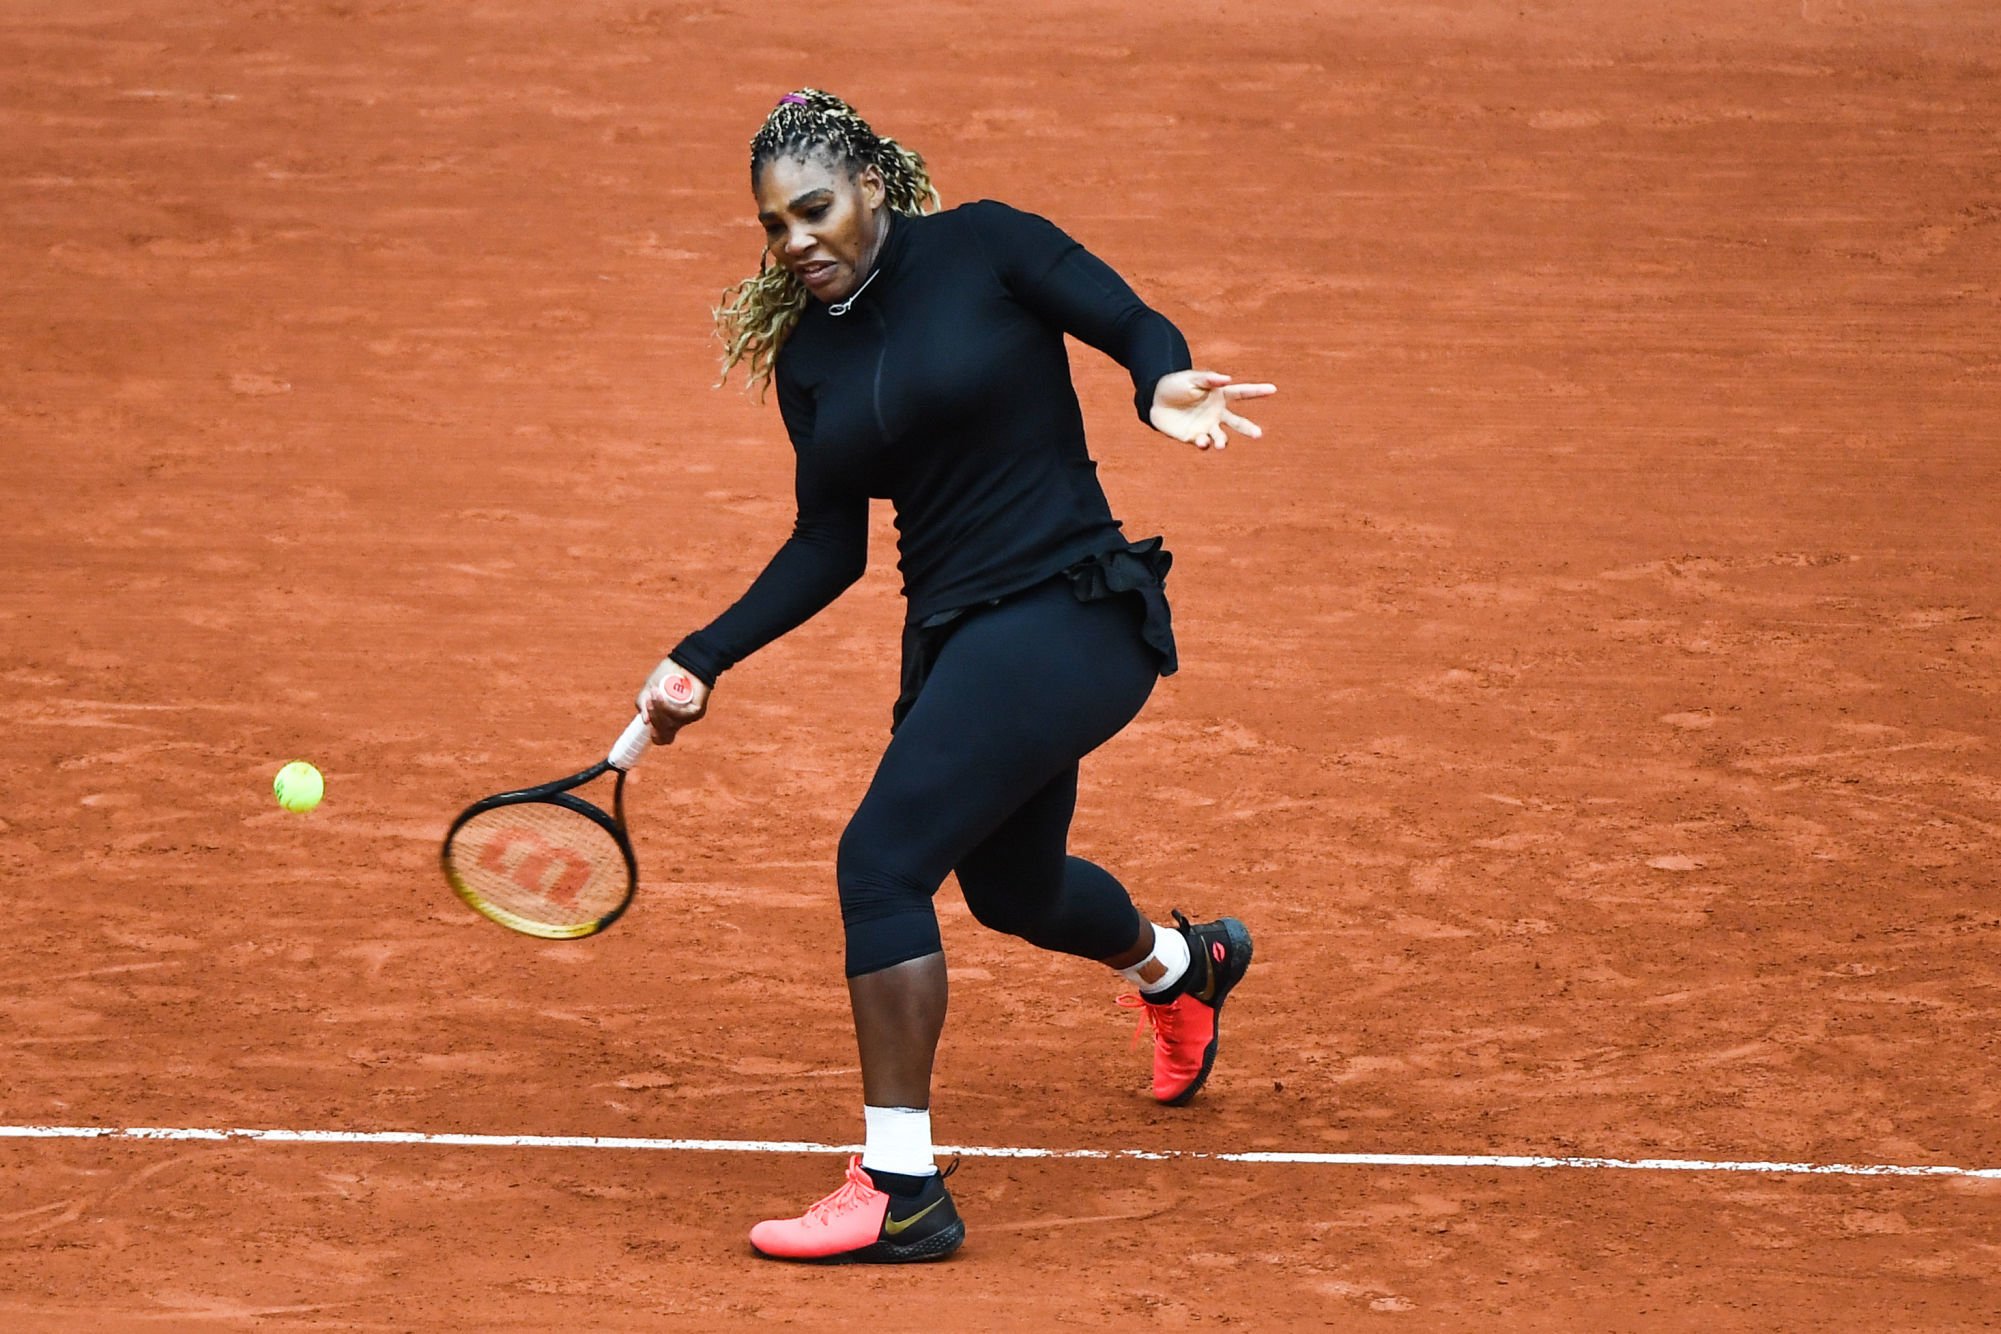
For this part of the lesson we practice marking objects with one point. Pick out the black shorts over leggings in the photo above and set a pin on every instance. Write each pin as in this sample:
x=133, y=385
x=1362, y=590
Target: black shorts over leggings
x=981, y=778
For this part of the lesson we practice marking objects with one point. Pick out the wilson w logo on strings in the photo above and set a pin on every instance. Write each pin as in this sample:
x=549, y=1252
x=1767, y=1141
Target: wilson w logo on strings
x=530, y=861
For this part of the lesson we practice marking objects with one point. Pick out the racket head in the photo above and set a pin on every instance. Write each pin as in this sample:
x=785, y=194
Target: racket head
x=546, y=864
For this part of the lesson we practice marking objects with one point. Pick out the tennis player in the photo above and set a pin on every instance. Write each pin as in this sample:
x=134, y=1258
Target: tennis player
x=919, y=356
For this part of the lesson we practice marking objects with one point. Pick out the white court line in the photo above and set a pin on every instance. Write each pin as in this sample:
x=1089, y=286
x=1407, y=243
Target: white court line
x=977, y=1151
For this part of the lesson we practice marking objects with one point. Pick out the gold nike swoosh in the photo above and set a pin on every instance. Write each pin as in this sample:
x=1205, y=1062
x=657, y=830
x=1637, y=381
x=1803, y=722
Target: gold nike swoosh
x=894, y=1226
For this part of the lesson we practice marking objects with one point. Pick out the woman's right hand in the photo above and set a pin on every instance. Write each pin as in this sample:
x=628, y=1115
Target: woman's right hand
x=672, y=698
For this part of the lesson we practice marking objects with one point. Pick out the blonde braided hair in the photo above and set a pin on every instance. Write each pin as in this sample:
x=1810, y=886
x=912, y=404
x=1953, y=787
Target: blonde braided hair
x=756, y=315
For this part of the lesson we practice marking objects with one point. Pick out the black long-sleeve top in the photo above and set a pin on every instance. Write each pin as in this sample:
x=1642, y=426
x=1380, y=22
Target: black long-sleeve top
x=946, y=389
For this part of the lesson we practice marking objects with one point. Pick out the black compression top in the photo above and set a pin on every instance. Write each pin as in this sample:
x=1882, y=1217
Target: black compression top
x=946, y=389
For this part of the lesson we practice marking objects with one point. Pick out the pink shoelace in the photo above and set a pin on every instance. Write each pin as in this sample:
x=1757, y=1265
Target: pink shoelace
x=854, y=1193
x=1159, y=1018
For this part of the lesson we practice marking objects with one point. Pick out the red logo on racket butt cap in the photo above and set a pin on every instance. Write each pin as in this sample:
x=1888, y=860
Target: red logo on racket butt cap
x=678, y=689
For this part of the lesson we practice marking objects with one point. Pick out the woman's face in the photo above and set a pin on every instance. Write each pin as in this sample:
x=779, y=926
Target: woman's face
x=821, y=221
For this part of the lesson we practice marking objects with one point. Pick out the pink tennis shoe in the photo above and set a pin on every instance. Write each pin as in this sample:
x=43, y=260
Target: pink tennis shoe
x=1186, y=1027
x=859, y=1224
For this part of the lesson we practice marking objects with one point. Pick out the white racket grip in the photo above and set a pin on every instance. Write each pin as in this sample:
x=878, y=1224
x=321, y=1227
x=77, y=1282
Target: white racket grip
x=632, y=744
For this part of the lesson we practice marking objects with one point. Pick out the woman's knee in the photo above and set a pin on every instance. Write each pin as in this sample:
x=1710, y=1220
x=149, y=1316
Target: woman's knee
x=886, y=909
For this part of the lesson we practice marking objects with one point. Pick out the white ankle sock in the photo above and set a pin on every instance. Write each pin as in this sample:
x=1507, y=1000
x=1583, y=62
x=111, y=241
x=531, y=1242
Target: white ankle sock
x=1170, y=952
x=899, y=1140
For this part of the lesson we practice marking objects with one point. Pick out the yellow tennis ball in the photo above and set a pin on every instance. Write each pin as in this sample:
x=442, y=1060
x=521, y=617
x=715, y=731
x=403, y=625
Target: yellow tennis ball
x=299, y=786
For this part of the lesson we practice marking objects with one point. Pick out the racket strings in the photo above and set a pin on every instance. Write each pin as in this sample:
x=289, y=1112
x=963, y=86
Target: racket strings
x=539, y=862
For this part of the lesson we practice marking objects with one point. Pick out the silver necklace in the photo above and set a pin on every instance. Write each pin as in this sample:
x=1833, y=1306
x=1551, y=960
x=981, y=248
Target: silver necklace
x=841, y=307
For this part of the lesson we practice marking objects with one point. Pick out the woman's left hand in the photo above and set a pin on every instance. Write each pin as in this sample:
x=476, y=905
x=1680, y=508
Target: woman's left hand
x=1195, y=406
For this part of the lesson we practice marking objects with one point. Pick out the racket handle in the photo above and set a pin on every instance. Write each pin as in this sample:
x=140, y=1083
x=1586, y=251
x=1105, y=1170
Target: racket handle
x=632, y=744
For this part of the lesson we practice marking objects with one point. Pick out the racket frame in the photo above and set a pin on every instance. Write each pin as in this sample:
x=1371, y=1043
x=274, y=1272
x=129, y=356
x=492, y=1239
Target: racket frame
x=555, y=793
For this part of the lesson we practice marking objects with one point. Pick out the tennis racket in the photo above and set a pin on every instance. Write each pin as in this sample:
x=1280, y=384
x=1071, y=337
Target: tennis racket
x=545, y=862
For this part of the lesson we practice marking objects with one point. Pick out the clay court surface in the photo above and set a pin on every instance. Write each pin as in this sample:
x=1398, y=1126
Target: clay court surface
x=1590, y=684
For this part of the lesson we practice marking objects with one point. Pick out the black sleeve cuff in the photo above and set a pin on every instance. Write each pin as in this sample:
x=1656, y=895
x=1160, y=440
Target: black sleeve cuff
x=703, y=660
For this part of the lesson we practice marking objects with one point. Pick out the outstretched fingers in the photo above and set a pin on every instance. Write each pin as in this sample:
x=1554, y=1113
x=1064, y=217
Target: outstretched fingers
x=1236, y=391
x=1243, y=426
x=1193, y=405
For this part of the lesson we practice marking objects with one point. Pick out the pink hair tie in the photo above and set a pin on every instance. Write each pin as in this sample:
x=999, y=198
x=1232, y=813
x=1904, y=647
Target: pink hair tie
x=794, y=99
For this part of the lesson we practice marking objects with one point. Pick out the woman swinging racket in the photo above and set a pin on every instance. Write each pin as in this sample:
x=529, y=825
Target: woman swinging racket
x=919, y=356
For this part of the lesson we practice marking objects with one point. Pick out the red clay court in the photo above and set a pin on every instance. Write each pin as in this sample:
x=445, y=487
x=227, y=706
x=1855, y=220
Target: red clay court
x=1590, y=685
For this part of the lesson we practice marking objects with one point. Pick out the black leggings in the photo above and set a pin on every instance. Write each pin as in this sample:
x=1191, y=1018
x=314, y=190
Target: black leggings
x=981, y=778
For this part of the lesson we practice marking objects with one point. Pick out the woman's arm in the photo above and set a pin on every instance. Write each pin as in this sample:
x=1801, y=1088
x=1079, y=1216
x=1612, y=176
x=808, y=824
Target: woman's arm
x=827, y=552
x=1079, y=293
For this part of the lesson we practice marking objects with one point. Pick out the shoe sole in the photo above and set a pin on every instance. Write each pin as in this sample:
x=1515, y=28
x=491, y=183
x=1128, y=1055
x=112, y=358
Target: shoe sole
x=1238, y=935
